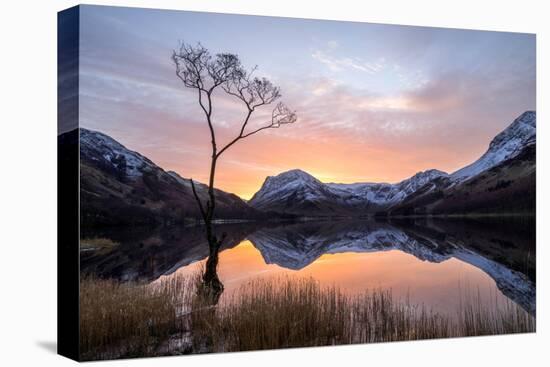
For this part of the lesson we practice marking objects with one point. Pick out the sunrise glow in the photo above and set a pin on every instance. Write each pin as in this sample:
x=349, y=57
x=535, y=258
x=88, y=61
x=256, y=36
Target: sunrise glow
x=376, y=103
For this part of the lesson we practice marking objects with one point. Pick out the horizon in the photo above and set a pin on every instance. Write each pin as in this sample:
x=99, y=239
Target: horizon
x=375, y=103
x=311, y=174
x=358, y=182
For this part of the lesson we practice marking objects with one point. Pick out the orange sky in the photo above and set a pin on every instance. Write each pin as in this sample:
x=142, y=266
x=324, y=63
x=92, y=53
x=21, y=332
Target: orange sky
x=334, y=159
x=330, y=154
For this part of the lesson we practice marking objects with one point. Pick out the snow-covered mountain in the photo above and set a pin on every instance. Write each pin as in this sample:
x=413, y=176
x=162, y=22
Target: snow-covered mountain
x=109, y=153
x=295, y=182
x=503, y=180
x=508, y=144
x=115, y=177
x=383, y=193
x=297, y=192
x=121, y=186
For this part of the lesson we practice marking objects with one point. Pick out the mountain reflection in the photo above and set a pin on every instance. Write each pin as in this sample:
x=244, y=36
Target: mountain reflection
x=296, y=246
x=503, y=248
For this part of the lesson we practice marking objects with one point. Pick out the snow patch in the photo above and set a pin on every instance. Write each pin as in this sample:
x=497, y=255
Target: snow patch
x=509, y=143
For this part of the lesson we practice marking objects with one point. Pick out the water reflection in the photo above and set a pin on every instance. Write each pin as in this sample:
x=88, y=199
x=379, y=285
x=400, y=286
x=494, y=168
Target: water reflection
x=428, y=259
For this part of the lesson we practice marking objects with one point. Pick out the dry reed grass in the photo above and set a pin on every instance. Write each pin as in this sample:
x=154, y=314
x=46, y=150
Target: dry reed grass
x=122, y=319
x=285, y=313
x=135, y=320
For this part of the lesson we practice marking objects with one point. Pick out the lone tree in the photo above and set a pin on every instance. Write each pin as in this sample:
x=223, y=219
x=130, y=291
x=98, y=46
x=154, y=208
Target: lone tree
x=206, y=73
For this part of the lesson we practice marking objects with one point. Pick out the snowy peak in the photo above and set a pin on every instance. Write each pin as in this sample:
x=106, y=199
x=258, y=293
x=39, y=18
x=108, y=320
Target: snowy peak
x=295, y=175
x=299, y=192
x=509, y=143
x=522, y=130
x=420, y=179
x=292, y=179
x=427, y=175
x=105, y=151
x=294, y=182
x=383, y=194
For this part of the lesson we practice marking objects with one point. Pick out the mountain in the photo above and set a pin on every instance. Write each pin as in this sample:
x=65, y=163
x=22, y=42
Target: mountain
x=503, y=180
x=384, y=194
x=506, y=145
x=507, y=168
x=509, y=187
x=120, y=186
x=297, y=192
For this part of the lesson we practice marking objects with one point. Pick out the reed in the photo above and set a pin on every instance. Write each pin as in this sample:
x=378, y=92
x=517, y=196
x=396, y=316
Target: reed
x=476, y=318
x=127, y=320
x=286, y=313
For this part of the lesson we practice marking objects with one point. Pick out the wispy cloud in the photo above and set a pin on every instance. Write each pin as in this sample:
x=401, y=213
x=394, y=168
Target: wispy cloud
x=339, y=63
x=386, y=74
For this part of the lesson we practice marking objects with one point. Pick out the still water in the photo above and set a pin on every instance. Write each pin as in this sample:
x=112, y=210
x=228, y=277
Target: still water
x=436, y=263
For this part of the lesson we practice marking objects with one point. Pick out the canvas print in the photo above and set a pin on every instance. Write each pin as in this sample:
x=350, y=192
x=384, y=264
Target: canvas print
x=235, y=183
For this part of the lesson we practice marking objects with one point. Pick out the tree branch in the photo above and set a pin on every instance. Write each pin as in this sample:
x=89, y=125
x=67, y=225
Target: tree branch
x=281, y=115
x=240, y=136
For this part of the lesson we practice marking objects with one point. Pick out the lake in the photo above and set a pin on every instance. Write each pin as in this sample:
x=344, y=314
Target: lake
x=434, y=262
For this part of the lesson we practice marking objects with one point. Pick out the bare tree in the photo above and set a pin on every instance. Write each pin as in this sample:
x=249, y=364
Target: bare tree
x=198, y=69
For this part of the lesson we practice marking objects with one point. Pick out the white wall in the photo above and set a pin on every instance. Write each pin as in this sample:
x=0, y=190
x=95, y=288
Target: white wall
x=28, y=181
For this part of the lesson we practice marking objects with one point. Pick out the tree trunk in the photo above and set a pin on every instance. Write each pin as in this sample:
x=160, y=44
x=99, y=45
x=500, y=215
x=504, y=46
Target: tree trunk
x=210, y=276
x=211, y=283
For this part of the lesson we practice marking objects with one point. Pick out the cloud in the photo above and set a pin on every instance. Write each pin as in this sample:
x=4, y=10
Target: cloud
x=386, y=75
x=332, y=44
x=337, y=64
x=458, y=111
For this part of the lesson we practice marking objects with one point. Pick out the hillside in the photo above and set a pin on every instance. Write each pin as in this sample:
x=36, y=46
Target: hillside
x=121, y=187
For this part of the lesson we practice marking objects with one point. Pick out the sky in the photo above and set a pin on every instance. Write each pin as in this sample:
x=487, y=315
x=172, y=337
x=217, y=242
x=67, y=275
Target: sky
x=375, y=103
